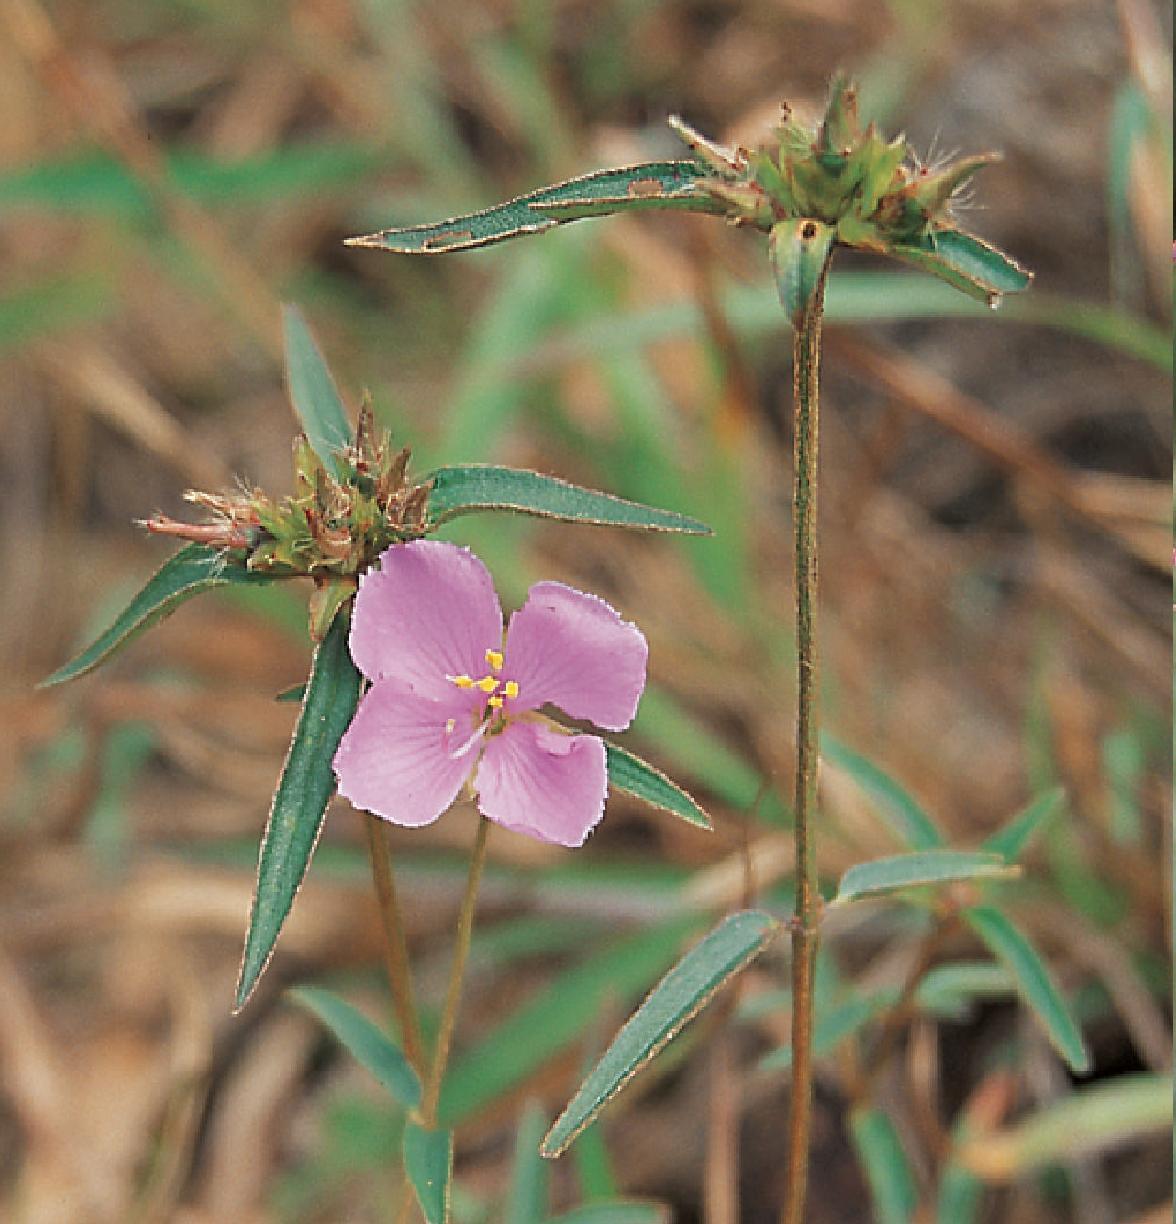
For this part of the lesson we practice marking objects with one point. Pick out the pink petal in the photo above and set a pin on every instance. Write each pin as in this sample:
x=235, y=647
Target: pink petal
x=428, y=612
x=399, y=760
x=573, y=650
x=536, y=781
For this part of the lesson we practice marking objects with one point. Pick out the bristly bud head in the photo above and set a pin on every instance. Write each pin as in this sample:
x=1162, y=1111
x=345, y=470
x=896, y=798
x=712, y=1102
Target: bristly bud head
x=866, y=191
x=330, y=529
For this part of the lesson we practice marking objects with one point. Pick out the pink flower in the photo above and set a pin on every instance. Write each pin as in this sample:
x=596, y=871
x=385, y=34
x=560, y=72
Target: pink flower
x=450, y=701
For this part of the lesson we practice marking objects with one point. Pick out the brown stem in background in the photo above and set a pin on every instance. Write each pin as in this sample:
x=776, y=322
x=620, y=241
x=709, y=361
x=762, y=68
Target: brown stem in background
x=395, y=944
x=806, y=360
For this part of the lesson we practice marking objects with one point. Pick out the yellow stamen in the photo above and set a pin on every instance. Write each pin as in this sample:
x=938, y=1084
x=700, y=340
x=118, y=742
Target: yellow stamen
x=511, y=688
x=487, y=684
x=494, y=658
x=495, y=703
x=462, y=682
x=450, y=725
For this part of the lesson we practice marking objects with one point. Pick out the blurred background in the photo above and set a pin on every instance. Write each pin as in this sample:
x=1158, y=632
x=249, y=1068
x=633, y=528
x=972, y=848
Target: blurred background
x=996, y=601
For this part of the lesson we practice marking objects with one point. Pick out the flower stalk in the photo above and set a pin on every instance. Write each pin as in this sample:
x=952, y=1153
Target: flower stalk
x=461, y=951
x=806, y=357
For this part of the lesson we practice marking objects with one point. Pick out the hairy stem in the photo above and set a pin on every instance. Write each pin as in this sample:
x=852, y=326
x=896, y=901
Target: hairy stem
x=395, y=944
x=806, y=359
x=465, y=930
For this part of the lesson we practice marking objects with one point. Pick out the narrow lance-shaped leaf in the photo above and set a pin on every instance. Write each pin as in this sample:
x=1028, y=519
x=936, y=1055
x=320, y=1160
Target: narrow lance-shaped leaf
x=892, y=1184
x=368, y=1044
x=313, y=392
x=885, y=875
x=966, y=262
x=194, y=569
x=1034, y=984
x=672, y=1004
x=618, y=1211
x=1011, y=840
x=628, y=772
x=526, y=1201
x=300, y=802
x=1094, y=1118
x=428, y=1165
x=900, y=811
x=650, y=185
x=473, y=488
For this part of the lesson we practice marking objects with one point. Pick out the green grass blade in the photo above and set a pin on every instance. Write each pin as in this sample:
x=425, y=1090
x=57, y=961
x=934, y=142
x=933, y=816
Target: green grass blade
x=901, y=812
x=672, y=1004
x=300, y=802
x=369, y=1045
x=313, y=392
x=194, y=569
x=428, y=1165
x=37, y=310
x=526, y=1202
x=473, y=488
x=892, y=1184
x=921, y=867
x=651, y=185
x=628, y=772
x=1034, y=984
x=1011, y=840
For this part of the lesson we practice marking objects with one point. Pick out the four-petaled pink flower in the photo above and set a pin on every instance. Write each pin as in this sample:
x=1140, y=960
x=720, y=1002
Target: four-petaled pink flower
x=450, y=701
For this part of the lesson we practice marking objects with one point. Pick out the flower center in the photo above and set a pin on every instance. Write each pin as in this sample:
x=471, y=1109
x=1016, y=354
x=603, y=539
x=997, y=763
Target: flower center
x=496, y=689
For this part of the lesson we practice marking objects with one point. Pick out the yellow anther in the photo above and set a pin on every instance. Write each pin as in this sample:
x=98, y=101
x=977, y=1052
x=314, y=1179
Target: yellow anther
x=450, y=725
x=494, y=658
x=487, y=684
x=511, y=688
x=462, y=682
x=495, y=703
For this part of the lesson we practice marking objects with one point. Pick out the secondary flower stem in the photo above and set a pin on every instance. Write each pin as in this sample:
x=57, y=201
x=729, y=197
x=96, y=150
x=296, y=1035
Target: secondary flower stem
x=395, y=946
x=465, y=930
x=806, y=360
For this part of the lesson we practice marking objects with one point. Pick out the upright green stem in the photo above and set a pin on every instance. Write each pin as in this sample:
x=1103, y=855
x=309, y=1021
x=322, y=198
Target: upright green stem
x=395, y=944
x=806, y=359
x=465, y=930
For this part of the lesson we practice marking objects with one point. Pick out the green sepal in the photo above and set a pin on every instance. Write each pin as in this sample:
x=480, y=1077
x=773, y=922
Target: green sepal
x=194, y=569
x=300, y=801
x=684, y=991
x=475, y=487
x=799, y=249
x=428, y=1165
x=966, y=262
x=629, y=773
x=328, y=596
x=630, y=188
x=313, y=394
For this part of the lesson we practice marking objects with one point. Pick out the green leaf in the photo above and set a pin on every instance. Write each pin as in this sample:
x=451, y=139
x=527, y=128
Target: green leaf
x=884, y=875
x=674, y=1002
x=313, y=392
x=966, y=262
x=1092, y=1119
x=428, y=1165
x=1010, y=840
x=28, y=313
x=295, y=693
x=799, y=251
x=1034, y=984
x=472, y=488
x=300, y=802
x=556, y=1016
x=526, y=1202
x=952, y=987
x=620, y=1211
x=368, y=1044
x=834, y=1026
x=628, y=772
x=631, y=188
x=194, y=569
x=900, y=811
x=892, y=1184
